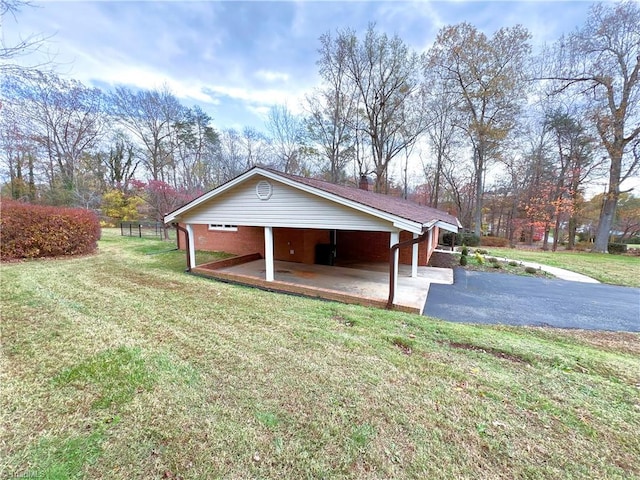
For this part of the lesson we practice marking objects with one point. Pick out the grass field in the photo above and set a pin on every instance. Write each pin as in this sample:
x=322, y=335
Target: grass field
x=119, y=366
x=612, y=269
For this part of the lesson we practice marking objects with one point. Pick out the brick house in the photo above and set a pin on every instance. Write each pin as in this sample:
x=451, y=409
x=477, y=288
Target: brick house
x=284, y=217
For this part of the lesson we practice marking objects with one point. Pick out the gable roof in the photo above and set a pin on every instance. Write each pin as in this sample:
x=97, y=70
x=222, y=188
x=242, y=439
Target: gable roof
x=394, y=205
x=364, y=200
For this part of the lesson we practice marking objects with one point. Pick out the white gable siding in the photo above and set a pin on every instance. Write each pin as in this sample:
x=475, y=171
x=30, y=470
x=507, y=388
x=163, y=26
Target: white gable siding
x=287, y=207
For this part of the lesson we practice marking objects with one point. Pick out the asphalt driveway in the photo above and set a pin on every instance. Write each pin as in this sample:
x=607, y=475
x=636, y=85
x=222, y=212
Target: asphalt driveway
x=498, y=298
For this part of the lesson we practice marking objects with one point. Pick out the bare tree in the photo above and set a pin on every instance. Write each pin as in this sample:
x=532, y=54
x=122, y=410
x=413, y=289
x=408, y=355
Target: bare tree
x=441, y=111
x=332, y=109
x=18, y=154
x=487, y=75
x=231, y=155
x=287, y=134
x=601, y=63
x=538, y=179
x=385, y=73
x=24, y=46
x=195, y=142
x=120, y=162
x=575, y=164
x=150, y=115
x=66, y=120
x=458, y=189
x=256, y=147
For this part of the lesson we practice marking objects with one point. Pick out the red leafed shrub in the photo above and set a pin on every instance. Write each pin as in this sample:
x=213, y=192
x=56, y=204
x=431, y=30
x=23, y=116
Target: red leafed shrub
x=30, y=231
x=494, y=242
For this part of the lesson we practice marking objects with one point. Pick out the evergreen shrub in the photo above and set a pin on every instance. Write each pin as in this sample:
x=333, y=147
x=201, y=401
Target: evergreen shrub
x=468, y=239
x=617, y=248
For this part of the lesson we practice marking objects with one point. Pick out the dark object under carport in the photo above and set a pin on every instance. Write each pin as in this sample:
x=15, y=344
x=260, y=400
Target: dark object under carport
x=325, y=254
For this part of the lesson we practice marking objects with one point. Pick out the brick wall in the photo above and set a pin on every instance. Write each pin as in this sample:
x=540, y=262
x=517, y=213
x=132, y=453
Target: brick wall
x=243, y=242
x=362, y=246
x=406, y=253
x=251, y=240
x=374, y=247
x=434, y=241
x=352, y=246
x=297, y=244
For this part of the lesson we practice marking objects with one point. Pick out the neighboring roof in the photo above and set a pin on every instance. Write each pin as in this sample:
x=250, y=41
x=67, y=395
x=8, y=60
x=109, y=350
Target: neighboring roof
x=350, y=196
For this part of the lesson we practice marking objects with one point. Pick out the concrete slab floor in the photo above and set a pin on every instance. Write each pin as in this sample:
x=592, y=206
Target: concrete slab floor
x=368, y=281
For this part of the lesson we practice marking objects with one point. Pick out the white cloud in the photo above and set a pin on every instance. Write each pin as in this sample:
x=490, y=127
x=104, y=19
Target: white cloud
x=271, y=76
x=121, y=72
x=260, y=111
x=255, y=97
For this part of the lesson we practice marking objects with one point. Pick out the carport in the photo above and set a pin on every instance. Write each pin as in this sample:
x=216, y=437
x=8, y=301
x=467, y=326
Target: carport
x=266, y=217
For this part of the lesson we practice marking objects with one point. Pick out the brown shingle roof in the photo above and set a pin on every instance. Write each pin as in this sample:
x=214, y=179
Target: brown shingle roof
x=385, y=203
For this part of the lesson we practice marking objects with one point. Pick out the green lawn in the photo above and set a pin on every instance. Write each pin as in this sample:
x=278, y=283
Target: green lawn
x=613, y=269
x=120, y=366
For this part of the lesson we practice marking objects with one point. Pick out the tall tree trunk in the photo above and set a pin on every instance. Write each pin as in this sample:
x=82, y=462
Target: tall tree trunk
x=606, y=221
x=436, y=193
x=573, y=226
x=556, y=233
x=477, y=218
x=545, y=241
x=32, y=183
x=608, y=213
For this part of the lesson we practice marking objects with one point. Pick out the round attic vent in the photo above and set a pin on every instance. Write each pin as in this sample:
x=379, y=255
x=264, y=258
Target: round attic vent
x=264, y=190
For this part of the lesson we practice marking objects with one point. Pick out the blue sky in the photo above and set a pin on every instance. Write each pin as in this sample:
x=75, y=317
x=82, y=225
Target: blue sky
x=236, y=59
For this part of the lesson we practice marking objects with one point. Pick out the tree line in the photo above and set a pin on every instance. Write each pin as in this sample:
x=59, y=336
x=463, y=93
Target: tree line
x=508, y=139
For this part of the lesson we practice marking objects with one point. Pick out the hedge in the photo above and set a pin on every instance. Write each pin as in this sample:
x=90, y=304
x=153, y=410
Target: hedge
x=31, y=231
x=617, y=248
x=468, y=239
x=494, y=242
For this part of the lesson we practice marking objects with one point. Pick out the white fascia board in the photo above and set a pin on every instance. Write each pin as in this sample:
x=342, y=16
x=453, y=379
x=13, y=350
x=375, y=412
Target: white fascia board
x=447, y=226
x=408, y=226
x=428, y=226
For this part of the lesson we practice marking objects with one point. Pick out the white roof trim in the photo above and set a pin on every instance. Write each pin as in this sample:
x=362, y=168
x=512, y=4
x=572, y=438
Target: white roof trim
x=447, y=226
x=398, y=222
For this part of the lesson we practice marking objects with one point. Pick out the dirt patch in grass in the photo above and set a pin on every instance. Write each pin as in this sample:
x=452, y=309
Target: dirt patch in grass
x=443, y=260
x=491, y=351
x=343, y=321
x=404, y=345
x=626, y=342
